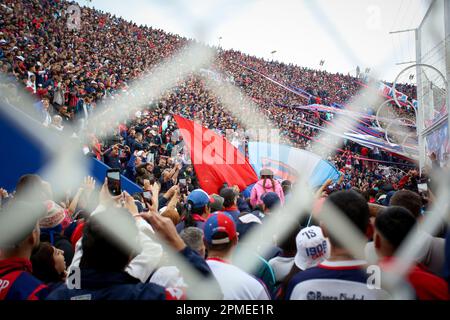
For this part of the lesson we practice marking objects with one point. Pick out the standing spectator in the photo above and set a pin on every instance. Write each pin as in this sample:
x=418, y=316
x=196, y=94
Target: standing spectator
x=193, y=237
x=266, y=184
x=197, y=210
x=221, y=240
x=111, y=157
x=312, y=249
x=230, y=197
x=392, y=226
x=104, y=261
x=49, y=264
x=52, y=228
x=341, y=275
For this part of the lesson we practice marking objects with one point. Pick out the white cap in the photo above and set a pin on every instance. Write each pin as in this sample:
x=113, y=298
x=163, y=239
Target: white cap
x=312, y=248
x=140, y=153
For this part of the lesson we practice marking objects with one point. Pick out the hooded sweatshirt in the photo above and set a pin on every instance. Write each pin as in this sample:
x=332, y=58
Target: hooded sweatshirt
x=260, y=188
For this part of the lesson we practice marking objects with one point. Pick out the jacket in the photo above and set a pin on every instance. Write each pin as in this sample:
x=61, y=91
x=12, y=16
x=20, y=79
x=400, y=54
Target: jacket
x=106, y=285
x=97, y=285
x=259, y=189
x=17, y=282
x=144, y=263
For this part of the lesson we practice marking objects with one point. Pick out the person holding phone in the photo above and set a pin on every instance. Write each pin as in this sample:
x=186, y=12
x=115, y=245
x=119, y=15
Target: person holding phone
x=114, y=181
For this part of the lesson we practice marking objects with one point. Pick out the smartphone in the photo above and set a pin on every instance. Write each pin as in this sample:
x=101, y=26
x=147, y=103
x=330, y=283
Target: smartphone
x=147, y=195
x=113, y=176
x=423, y=187
x=182, y=182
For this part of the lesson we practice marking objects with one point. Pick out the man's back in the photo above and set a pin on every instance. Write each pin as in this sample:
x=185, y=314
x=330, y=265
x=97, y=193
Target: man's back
x=333, y=280
x=235, y=283
x=17, y=282
x=112, y=286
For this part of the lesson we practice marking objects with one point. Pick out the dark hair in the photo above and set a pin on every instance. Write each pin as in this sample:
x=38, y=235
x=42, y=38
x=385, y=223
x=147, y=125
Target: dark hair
x=44, y=264
x=219, y=247
x=229, y=197
x=286, y=185
x=281, y=292
x=189, y=211
x=354, y=207
x=27, y=183
x=394, y=224
x=409, y=200
x=102, y=246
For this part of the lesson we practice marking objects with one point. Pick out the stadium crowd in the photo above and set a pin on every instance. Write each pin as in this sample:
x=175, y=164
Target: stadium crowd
x=69, y=73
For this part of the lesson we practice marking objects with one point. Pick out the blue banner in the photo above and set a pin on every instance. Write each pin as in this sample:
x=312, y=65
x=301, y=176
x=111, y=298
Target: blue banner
x=288, y=163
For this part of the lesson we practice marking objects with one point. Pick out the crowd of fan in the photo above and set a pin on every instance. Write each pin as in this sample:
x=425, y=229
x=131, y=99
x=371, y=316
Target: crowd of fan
x=93, y=245
x=69, y=72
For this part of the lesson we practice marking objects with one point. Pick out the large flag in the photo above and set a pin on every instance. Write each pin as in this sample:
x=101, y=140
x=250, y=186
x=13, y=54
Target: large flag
x=215, y=160
x=288, y=163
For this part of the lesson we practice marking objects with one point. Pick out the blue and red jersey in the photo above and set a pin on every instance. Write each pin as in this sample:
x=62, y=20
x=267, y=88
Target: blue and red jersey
x=17, y=282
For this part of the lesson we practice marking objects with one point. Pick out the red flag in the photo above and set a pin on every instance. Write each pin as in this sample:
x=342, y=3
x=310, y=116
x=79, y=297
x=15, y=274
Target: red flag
x=215, y=160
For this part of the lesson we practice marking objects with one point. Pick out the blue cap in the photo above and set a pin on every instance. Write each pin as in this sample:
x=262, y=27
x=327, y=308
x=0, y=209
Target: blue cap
x=270, y=199
x=199, y=198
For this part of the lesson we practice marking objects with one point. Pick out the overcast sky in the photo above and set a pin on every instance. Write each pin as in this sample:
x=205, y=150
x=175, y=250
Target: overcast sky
x=344, y=33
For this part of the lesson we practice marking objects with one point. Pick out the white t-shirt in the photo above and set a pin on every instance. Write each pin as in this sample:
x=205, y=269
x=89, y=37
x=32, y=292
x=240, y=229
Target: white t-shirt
x=281, y=267
x=237, y=284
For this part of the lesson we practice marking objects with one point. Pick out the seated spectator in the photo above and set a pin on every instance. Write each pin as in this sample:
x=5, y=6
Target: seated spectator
x=392, y=226
x=221, y=240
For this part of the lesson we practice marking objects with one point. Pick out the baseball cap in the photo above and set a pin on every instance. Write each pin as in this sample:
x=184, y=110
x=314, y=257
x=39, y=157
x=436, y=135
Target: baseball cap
x=199, y=198
x=266, y=172
x=216, y=203
x=312, y=248
x=228, y=194
x=270, y=199
x=219, y=223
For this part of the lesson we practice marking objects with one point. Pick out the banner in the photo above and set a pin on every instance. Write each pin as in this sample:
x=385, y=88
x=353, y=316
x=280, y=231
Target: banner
x=288, y=163
x=215, y=160
x=438, y=142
